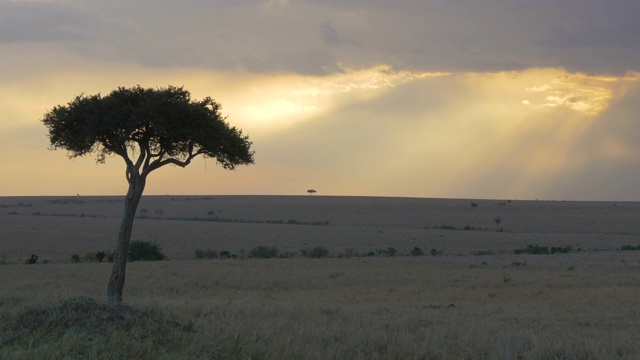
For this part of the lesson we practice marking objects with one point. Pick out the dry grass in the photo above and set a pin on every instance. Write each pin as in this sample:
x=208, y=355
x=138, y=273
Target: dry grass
x=581, y=305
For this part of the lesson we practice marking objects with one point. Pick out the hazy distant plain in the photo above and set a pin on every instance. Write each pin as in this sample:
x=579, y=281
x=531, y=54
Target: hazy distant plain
x=56, y=227
x=458, y=304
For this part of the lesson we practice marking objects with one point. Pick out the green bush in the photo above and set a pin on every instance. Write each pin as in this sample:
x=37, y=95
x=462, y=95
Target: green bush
x=416, y=251
x=32, y=260
x=390, y=251
x=145, y=251
x=435, y=252
x=629, y=247
x=263, y=252
x=543, y=250
x=317, y=252
x=75, y=258
x=225, y=254
x=482, y=252
x=100, y=255
x=561, y=250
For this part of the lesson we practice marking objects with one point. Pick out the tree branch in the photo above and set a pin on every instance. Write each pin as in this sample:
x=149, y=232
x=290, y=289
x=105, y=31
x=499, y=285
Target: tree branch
x=158, y=163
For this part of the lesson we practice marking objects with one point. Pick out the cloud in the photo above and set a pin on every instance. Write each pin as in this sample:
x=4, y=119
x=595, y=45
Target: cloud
x=320, y=37
x=416, y=139
x=486, y=98
x=27, y=22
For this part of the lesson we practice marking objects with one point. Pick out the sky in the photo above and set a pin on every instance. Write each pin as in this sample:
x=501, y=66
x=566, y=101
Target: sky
x=480, y=99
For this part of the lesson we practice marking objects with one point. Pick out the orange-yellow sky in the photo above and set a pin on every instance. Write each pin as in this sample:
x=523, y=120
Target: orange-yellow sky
x=484, y=99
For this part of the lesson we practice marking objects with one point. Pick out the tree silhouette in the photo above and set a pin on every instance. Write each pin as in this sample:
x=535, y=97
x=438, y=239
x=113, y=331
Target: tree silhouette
x=148, y=128
x=311, y=191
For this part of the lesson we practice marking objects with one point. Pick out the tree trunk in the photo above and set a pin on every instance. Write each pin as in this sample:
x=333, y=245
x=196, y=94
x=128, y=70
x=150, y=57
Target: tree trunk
x=116, y=281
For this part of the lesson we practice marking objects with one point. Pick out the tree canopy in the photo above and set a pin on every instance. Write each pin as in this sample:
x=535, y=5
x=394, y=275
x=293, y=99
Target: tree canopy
x=158, y=126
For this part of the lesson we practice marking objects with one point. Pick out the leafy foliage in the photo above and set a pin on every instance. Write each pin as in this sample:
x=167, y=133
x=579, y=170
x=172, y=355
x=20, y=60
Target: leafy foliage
x=319, y=252
x=145, y=251
x=543, y=250
x=164, y=123
x=263, y=252
x=32, y=260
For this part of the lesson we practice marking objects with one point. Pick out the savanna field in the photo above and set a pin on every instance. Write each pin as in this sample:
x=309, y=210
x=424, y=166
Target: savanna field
x=319, y=277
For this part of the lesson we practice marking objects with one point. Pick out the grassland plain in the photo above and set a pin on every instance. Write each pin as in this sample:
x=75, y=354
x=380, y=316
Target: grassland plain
x=457, y=305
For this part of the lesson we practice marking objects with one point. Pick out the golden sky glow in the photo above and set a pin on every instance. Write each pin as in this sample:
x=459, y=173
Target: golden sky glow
x=333, y=103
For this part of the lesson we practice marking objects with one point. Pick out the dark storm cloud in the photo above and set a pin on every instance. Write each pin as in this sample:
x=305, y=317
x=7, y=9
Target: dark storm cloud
x=43, y=22
x=315, y=37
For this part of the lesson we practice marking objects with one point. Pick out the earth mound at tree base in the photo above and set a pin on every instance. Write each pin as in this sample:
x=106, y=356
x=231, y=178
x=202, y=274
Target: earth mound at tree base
x=83, y=315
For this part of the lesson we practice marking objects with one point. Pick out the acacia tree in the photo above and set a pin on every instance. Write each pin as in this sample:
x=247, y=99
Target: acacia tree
x=148, y=128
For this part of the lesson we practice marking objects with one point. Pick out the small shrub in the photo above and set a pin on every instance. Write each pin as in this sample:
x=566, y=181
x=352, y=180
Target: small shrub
x=145, y=251
x=349, y=253
x=390, y=251
x=416, y=251
x=100, y=255
x=3, y=258
x=263, y=252
x=32, y=260
x=435, y=252
x=474, y=204
x=543, y=250
x=561, y=250
x=75, y=258
x=445, y=227
x=227, y=254
x=629, y=247
x=318, y=252
x=211, y=212
x=482, y=252
x=534, y=250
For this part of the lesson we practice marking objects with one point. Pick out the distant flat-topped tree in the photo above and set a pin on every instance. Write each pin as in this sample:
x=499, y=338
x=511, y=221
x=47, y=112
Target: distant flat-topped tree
x=148, y=128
